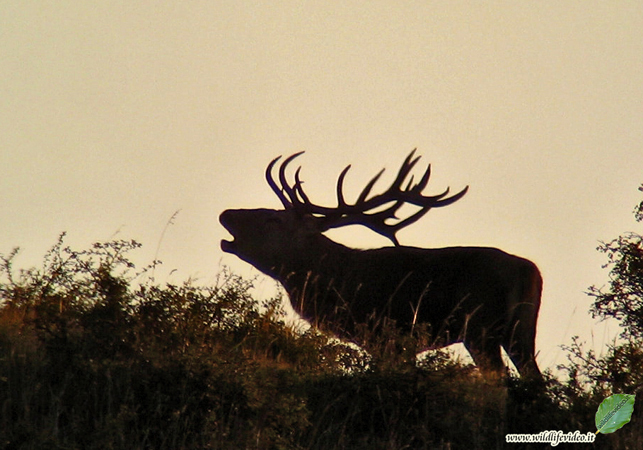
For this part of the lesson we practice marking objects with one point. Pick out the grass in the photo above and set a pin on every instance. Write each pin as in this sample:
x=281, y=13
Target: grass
x=91, y=359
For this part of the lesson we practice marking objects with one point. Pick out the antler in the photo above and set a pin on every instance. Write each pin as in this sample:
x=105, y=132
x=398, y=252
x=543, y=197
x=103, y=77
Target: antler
x=294, y=197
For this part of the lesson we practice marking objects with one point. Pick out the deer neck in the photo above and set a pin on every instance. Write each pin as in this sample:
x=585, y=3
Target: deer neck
x=317, y=277
x=321, y=259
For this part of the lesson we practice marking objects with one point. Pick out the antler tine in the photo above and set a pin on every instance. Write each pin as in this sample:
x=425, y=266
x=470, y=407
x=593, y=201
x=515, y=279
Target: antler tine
x=369, y=186
x=424, y=181
x=418, y=215
x=436, y=201
x=276, y=189
x=341, y=203
x=290, y=199
x=299, y=188
x=406, y=167
x=453, y=198
x=290, y=192
x=409, y=185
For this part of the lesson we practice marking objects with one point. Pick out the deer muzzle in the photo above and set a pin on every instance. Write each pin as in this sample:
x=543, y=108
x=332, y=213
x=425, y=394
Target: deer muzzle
x=226, y=219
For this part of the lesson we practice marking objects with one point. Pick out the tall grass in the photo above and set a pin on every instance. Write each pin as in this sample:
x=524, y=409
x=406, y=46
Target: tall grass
x=91, y=358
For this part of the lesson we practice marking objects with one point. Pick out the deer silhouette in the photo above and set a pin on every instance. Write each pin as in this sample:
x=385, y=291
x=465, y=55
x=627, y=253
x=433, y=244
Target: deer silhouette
x=480, y=296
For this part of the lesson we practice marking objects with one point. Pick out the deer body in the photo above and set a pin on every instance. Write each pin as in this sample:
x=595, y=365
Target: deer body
x=480, y=296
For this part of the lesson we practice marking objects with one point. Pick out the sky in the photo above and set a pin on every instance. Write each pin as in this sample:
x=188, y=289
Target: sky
x=117, y=114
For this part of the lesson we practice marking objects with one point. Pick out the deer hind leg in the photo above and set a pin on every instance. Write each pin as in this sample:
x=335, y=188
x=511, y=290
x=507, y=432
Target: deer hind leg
x=486, y=354
x=520, y=342
x=520, y=338
x=522, y=354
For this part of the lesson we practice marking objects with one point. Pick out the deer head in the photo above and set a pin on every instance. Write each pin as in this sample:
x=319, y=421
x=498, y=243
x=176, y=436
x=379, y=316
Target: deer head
x=262, y=234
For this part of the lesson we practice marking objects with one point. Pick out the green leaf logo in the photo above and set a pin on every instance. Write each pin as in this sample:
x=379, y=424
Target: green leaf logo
x=615, y=411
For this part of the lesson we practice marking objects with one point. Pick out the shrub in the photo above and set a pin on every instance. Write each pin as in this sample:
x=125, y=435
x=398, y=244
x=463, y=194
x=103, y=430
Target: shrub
x=93, y=357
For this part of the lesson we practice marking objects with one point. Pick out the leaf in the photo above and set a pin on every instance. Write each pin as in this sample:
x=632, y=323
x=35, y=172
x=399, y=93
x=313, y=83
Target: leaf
x=615, y=411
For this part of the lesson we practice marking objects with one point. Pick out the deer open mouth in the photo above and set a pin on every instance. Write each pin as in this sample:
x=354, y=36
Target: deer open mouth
x=227, y=246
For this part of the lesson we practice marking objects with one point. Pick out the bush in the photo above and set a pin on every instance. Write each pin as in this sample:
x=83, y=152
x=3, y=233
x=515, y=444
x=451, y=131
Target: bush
x=92, y=357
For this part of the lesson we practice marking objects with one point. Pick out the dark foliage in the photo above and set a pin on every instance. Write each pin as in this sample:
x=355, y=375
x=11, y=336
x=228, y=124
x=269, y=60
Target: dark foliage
x=623, y=298
x=91, y=358
x=592, y=378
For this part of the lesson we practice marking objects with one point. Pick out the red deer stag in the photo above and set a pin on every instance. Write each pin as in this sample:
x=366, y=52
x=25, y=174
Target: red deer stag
x=482, y=297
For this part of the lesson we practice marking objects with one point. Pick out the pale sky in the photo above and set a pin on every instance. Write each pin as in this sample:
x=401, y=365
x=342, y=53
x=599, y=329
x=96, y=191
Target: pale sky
x=116, y=114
